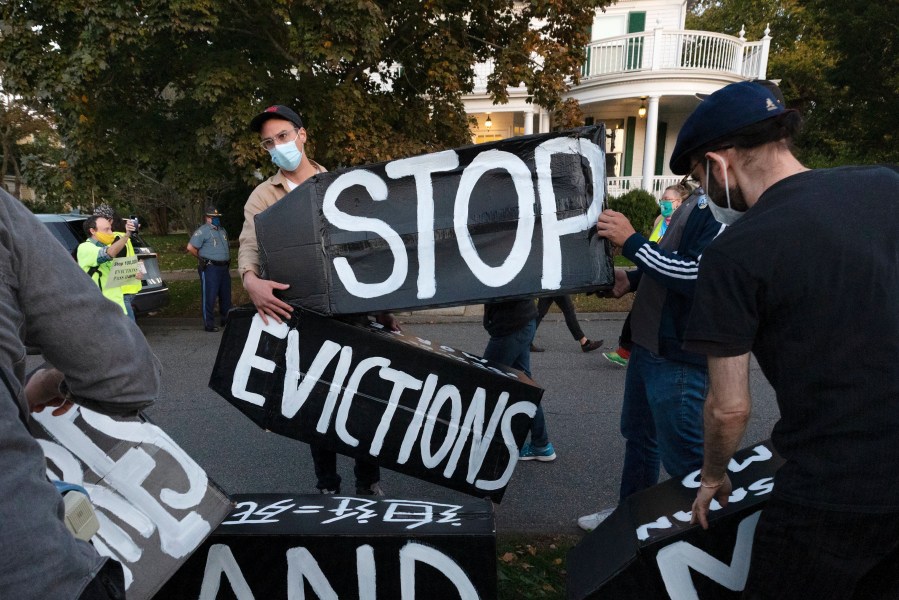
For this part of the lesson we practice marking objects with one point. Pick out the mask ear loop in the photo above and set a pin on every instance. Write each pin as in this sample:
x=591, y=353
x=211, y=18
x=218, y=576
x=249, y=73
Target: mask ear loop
x=726, y=186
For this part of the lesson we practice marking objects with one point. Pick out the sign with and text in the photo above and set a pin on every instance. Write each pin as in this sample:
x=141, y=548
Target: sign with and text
x=284, y=547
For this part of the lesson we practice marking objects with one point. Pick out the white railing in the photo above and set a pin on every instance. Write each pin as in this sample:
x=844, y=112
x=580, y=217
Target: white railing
x=621, y=185
x=674, y=50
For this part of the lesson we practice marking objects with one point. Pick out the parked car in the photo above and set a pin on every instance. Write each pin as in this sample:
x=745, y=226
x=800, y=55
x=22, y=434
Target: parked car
x=154, y=295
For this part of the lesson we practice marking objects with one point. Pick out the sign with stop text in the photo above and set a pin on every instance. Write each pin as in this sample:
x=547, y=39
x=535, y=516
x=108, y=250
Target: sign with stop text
x=409, y=404
x=508, y=219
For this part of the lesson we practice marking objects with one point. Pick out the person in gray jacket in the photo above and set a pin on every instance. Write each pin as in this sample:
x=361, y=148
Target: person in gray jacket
x=108, y=366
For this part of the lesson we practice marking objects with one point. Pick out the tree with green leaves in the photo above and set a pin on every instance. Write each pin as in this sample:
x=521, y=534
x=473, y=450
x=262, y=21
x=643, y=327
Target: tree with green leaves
x=153, y=98
x=837, y=63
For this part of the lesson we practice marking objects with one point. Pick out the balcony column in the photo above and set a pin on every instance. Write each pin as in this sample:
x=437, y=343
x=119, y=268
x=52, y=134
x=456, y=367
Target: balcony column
x=766, y=48
x=544, y=121
x=649, y=147
x=528, y=120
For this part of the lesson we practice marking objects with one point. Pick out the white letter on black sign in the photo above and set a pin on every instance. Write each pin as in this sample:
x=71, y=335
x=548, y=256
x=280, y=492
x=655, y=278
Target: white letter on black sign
x=553, y=229
x=676, y=560
x=220, y=560
x=377, y=189
x=412, y=553
x=352, y=387
x=249, y=360
x=421, y=167
x=521, y=248
x=526, y=408
x=296, y=392
x=451, y=393
x=301, y=564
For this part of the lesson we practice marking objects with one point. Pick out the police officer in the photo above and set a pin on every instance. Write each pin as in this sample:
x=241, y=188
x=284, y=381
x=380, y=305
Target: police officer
x=209, y=244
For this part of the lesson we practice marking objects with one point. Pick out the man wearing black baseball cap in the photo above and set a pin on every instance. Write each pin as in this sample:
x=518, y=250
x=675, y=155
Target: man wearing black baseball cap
x=768, y=285
x=284, y=138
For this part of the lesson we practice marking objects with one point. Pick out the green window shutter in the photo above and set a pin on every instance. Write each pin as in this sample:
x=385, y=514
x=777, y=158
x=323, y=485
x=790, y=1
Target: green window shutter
x=636, y=23
x=630, y=133
x=660, y=147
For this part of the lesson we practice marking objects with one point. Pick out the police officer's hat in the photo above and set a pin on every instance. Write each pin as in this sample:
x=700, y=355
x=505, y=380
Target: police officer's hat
x=212, y=211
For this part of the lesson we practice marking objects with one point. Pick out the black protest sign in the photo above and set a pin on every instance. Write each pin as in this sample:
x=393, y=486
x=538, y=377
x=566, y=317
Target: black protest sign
x=155, y=504
x=411, y=405
x=277, y=546
x=508, y=219
x=648, y=549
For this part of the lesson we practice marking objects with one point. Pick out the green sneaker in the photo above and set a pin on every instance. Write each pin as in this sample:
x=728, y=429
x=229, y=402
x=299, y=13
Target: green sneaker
x=613, y=357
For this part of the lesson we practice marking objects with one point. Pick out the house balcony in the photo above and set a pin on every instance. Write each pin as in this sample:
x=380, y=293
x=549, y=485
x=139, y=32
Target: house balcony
x=642, y=86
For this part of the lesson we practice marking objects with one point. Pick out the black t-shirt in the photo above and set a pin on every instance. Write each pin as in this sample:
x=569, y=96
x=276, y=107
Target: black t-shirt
x=808, y=280
x=503, y=318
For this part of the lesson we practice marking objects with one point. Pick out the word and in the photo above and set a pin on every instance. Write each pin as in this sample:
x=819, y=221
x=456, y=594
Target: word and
x=302, y=568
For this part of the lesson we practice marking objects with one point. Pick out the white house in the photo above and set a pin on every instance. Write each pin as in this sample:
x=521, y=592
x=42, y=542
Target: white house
x=641, y=77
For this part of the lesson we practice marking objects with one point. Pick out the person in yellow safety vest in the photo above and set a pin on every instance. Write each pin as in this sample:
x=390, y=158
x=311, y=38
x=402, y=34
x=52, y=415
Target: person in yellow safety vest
x=129, y=290
x=96, y=253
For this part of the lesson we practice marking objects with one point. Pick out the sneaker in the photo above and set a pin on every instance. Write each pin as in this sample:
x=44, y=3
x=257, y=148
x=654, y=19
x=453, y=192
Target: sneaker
x=211, y=329
x=615, y=358
x=370, y=490
x=590, y=346
x=546, y=454
x=328, y=492
x=537, y=348
x=591, y=522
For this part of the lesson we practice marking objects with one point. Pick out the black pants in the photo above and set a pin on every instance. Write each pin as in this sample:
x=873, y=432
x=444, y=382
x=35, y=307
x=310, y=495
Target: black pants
x=801, y=552
x=567, y=307
x=109, y=583
x=325, y=462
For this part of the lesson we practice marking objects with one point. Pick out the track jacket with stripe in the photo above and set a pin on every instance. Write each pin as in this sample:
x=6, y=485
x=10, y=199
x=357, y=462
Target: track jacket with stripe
x=675, y=271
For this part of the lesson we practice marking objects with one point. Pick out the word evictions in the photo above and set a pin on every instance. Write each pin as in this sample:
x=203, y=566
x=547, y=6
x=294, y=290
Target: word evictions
x=302, y=567
x=421, y=168
x=761, y=487
x=463, y=430
x=121, y=491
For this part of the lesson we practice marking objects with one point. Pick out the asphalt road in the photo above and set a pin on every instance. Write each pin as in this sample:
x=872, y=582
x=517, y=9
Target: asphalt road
x=582, y=404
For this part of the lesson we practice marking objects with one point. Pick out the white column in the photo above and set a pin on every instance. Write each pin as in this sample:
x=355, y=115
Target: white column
x=528, y=121
x=649, y=148
x=544, y=121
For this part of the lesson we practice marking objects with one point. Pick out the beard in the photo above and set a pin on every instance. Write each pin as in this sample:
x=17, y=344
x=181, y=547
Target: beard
x=719, y=195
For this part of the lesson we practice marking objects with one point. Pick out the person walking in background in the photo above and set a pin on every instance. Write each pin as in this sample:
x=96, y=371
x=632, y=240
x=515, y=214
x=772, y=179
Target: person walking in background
x=50, y=306
x=129, y=290
x=567, y=306
x=282, y=134
x=95, y=255
x=665, y=386
x=511, y=325
x=830, y=528
x=209, y=244
x=672, y=198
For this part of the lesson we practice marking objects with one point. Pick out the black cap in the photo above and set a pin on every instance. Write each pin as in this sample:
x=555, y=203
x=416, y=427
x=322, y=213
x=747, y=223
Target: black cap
x=728, y=110
x=276, y=111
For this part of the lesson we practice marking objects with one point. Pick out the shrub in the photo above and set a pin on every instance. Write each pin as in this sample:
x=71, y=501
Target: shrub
x=639, y=206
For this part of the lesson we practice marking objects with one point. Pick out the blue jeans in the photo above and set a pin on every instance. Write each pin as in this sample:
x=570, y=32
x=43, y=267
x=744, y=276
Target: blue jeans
x=661, y=419
x=128, y=298
x=514, y=350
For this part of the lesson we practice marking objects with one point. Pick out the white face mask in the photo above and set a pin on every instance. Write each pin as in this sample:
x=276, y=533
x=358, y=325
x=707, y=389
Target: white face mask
x=726, y=216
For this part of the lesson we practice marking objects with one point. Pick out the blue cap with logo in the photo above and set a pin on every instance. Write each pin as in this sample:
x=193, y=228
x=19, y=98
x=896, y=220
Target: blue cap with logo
x=728, y=110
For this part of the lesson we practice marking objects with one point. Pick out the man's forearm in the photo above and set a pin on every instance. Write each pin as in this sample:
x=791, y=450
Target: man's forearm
x=726, y=413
